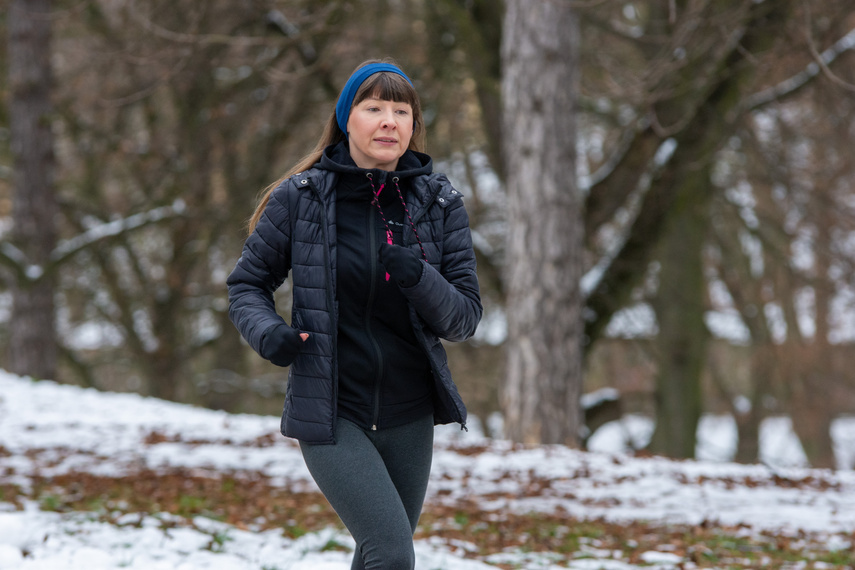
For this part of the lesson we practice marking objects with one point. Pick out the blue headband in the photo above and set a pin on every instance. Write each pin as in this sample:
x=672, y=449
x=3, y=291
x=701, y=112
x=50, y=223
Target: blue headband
x=345, y=100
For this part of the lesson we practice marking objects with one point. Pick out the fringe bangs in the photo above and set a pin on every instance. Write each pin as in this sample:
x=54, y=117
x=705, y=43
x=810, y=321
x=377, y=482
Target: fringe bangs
x=388, y=87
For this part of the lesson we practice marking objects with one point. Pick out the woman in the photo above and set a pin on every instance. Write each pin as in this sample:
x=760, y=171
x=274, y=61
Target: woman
x=381, y=259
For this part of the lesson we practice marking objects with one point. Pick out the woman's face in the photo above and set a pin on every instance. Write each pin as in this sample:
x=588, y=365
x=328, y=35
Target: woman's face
x=379, y=132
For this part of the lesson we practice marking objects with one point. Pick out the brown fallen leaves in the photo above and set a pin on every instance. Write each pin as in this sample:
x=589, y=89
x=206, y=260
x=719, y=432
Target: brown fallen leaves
x=249, y=501
x=245, y=501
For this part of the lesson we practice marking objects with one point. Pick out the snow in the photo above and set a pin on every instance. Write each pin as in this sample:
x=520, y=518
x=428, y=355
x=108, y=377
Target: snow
x=779, y=445
x=49, y=429
x=598, y=397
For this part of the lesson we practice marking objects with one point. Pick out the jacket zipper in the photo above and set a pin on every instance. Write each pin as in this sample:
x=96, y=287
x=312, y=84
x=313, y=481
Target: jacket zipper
x=372, y=247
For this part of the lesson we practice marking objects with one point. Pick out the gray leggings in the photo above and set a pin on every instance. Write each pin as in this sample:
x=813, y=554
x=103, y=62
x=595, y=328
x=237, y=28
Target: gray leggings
x=376, y=482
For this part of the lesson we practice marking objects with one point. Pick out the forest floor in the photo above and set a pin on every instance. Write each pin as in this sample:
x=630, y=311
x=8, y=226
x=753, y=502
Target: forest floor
x=92, y=480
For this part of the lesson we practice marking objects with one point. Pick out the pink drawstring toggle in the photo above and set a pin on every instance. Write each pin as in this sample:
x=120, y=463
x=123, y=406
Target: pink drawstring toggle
x=388, y=231
x=376, y=202
x=390, y=242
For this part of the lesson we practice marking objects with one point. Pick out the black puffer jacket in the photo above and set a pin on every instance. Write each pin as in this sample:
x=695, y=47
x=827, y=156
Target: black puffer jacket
x=297, y=233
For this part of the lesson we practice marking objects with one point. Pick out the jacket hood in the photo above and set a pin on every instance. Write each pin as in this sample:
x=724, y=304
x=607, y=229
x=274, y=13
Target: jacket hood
x=337, y=158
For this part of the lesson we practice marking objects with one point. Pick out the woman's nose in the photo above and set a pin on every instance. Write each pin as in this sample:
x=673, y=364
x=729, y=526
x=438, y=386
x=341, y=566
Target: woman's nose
x=389, y=121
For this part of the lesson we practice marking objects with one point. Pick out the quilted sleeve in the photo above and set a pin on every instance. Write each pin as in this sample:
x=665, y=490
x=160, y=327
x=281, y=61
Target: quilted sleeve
x=262, y=268
x=448, y=300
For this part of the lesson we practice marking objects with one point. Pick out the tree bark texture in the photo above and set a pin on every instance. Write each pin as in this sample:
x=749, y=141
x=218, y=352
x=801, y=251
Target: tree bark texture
x=544, y=252
x=32, y=347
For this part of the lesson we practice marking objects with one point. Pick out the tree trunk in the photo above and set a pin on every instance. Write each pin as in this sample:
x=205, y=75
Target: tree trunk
x=32, y=347
x=748, y=421
x=544, y=253
x=682, y=339
x=812, y=423
x=748, y=436
x=811, y=409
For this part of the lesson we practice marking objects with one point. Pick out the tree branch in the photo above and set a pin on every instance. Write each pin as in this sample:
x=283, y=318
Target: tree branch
x=16, y=259
x=208, y=39
x=74, y=245
x=824, y=66
x=799, y=80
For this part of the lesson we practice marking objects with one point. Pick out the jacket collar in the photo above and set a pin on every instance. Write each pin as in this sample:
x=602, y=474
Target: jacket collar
x=336, y=161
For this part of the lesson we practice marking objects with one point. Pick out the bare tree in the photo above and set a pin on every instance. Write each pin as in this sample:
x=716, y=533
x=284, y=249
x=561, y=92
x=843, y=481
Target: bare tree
x=196, y=103
x=786, y=265
x=698, y=86
x=32, y=346
x=544, y=251
x=198, y=106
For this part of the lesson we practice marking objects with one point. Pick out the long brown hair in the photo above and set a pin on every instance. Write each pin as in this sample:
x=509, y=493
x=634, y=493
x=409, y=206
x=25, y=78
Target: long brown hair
x=383, y=85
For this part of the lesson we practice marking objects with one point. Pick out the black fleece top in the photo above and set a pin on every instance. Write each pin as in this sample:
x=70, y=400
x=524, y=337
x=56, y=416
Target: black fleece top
x=384, y=377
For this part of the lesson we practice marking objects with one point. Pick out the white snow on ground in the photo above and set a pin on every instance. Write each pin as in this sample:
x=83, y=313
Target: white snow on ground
x=50, y=429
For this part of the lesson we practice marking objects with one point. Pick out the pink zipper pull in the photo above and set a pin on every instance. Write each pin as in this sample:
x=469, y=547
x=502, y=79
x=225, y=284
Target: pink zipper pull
x=389, y=241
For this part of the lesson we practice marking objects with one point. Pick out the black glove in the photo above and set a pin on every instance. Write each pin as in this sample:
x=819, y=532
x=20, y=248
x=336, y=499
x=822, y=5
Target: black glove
x=401, y=263
x=281, y=345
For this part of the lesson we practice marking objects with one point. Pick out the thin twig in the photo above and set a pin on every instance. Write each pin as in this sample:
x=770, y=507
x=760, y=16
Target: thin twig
x=201, y=39
x=146, y=91
x=818, y=58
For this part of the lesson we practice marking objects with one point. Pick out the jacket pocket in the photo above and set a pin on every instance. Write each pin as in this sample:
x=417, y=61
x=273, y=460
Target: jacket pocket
x=296, y=320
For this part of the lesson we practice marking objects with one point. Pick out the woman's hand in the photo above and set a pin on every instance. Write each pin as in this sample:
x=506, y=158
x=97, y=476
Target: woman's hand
x=401, y=263
x=282, y=344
